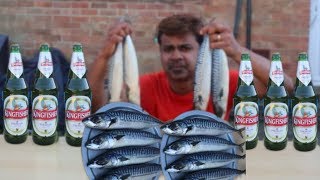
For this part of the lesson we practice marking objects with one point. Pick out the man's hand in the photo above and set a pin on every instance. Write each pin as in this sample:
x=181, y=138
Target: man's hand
x=221, y=37
x=116, y=34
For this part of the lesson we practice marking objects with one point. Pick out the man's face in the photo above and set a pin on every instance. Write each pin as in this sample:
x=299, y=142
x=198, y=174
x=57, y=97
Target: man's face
x=179, y=55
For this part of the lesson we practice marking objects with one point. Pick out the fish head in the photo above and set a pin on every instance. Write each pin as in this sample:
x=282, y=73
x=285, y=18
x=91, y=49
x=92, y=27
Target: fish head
x=178, y=128
x=101, y=142
x=99, y=121
x=98, y=163
x=176, y=167
x=180, y=147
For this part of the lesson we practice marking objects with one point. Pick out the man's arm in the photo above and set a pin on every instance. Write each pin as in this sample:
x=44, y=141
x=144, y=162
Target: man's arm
x=98, y=69
x=222, y=37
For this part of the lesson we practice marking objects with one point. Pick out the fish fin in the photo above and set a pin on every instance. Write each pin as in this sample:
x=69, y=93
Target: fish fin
x=113, y=120
x=198, y=163
x=189, y=128
x=125, y=176
x=123, y=158
x=194, y=143
x=118, y=137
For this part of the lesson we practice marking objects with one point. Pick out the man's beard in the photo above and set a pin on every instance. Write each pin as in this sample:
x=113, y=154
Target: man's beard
x=178, y=72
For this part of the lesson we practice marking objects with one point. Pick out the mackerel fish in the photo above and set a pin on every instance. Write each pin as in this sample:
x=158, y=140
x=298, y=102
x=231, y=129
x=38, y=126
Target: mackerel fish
x=131, y=71
x=115, y=77
x=213, y=174
x=202, y=76
x=134, y=172
x=120, y=119
x=203, y=160
x=125, y=156
x=122, y=137
x=198, y=126
x=220, y=82
x=194, y=144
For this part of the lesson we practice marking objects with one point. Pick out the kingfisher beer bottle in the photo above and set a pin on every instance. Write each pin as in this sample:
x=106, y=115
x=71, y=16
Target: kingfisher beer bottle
x=304, y=112
x=276, y=108
x=246, y=110
x=44, y=101
x=77, y=98
x=16, y=104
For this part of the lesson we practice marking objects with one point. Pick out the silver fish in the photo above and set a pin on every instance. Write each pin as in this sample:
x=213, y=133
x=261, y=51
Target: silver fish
x=202, y=160
x=122, y=137
x=115, y=78
x=220, y=82
x=212, y=174
x=194, y=144
x=198, y=126
x=120, y=119
x=202, y=76
x=134, y=172
x=131, y=71
x=125, y=156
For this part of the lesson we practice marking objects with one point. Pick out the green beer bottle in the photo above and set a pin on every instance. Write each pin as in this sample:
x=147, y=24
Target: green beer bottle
x=245, y=101
x=276, y=107
x=15, y=104
x=44, y=101
x=77, y=98
x=304, y=112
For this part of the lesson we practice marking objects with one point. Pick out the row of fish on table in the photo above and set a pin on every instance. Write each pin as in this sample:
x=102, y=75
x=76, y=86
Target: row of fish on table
x=129, y=141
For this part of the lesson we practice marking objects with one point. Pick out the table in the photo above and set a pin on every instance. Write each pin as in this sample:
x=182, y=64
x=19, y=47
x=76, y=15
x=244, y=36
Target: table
x=285, y=164
x=31, y=161
x=61, y=161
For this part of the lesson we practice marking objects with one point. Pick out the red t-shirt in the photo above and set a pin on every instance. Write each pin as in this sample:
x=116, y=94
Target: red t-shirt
x=159, y=100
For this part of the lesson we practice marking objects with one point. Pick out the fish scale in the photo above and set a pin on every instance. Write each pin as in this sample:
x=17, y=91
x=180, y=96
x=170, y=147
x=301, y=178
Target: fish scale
x=131, y=71
x=216, y=173
x=139, y=172
x=122, y=137
x=125, y=156
x=202, y=81
x=207, y=123
x=202, y=160
x=120, y=119
x=193, y=144
x=220, y=82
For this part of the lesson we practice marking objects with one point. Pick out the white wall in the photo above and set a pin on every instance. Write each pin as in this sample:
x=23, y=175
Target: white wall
x=314, y=41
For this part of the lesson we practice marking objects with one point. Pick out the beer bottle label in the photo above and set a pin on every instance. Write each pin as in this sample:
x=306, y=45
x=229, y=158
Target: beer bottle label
x=303, y=72
x=78, y=65
x=247, y=116
x=44, y=115
x=276, y=121
x=15, y=64
x=77, y=108
x=45, y=65
x=246, y=74
x=16, y=114
x=305, y=122
x=276, y=72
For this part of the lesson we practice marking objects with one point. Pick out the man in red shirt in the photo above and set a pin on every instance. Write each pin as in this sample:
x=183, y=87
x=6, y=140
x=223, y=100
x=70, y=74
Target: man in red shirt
x=168, y=93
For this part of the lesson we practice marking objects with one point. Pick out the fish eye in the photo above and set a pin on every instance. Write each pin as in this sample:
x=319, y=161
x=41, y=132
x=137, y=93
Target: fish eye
x=100, y=162
x=179, y=166
x=175, y=146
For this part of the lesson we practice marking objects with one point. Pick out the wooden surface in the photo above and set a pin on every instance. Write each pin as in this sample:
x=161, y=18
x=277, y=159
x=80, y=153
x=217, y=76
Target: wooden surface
x=61, y=161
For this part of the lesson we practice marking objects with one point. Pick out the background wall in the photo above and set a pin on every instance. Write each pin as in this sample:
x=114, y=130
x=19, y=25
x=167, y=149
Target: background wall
x=277, y=25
